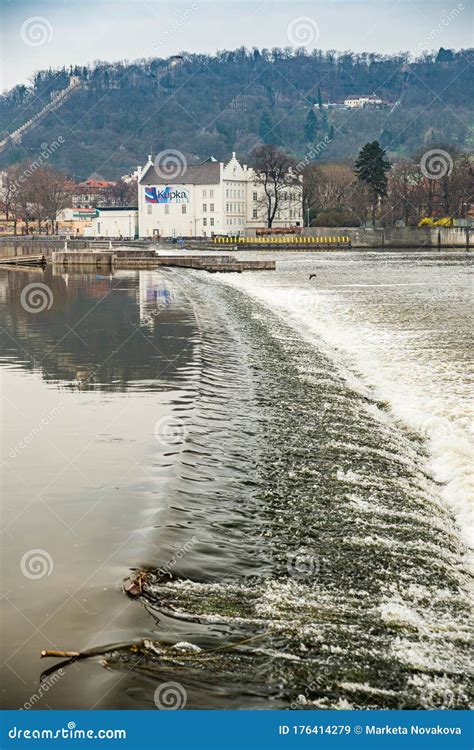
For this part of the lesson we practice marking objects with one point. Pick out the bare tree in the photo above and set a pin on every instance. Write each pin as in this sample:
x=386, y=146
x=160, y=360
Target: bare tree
x=274, y=172
x=124, y=193
x=55, y=194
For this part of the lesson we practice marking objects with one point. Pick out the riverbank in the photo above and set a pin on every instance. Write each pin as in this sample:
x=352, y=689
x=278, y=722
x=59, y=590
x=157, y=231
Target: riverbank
x=355, y=238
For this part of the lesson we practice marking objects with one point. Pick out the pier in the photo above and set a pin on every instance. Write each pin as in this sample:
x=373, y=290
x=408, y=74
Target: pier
x=133, y=259
x=23, y=260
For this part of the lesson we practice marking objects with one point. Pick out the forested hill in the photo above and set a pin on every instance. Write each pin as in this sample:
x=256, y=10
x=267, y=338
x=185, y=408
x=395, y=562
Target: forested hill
x=212, y=105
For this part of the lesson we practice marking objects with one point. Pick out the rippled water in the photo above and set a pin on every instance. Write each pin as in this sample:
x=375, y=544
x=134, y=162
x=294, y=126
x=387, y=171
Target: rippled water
x=288, y=460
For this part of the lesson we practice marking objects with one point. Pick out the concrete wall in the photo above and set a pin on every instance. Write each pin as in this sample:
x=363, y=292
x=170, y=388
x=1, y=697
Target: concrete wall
x=398, y=236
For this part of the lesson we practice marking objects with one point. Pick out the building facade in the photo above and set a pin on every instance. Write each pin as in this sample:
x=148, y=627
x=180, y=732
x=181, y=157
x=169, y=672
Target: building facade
x=207, y=199
x=75, y=221
x=118, y=222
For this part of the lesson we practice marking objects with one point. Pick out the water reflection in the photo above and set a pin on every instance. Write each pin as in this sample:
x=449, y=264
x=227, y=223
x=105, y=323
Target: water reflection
x=112, y=331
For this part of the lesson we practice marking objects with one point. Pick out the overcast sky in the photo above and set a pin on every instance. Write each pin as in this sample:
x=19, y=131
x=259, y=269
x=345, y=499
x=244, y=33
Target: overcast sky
x=38, y=35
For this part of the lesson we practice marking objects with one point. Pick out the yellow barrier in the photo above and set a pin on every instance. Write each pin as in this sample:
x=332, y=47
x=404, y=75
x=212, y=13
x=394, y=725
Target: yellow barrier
x=338, y=240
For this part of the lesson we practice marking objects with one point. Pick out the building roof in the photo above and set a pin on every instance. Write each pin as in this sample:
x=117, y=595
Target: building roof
x=99, y=184
x=208, y=173
x=106, y=209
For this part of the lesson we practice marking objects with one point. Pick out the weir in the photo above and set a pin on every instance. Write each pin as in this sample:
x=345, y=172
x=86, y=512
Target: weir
x=130, y=259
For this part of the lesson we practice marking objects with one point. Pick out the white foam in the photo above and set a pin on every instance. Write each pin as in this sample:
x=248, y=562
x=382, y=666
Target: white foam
x=393, y=356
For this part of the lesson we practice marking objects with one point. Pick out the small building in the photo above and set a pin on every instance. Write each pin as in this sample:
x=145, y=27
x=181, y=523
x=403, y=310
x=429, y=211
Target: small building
x=210, y=198
x=117, y=222
x=176, y=60
x=92, y=193
x=75, y=221
x=361, y=102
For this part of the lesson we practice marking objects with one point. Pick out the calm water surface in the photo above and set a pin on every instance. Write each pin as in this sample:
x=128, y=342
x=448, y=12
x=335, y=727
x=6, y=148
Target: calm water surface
x=289, y=460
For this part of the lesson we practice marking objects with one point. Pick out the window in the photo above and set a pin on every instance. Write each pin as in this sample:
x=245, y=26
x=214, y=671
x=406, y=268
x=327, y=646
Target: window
x=211, y=207
x=226, y=193
x=211, y=193
x=212, y=222
x=148, y=208
x=183, y=209
x=204, y=208
x=254, y=214
x=167, y=209
x=204, y=222
x=204, y=193
x=255, y=196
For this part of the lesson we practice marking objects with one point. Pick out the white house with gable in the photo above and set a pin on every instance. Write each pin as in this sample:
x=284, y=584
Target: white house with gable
x=209, y=198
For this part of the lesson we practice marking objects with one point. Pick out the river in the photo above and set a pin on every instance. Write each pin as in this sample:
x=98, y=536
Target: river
x=285, y=461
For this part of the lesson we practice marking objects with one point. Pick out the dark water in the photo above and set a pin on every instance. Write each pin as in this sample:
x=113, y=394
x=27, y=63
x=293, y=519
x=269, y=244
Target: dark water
x=288, y=526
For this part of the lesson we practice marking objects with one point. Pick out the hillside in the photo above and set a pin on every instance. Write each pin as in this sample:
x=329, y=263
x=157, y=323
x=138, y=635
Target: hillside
x=228, y=101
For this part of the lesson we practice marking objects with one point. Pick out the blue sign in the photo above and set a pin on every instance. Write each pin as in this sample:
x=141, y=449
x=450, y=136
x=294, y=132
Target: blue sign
x=167, y=194
x=236, y=730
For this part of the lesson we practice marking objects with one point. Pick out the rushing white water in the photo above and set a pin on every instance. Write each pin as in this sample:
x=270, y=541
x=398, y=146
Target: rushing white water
x=398, y=324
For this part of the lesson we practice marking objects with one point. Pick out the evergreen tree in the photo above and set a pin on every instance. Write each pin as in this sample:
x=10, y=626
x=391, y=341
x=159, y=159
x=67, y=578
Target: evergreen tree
x=371, y=168
x=265, y=130
x=320, y=100
x=311, y=127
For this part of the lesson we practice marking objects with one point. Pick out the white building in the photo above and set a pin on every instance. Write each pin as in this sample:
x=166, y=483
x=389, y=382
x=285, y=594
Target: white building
x=114, y=221
x=358, y=102
x=208, y=198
